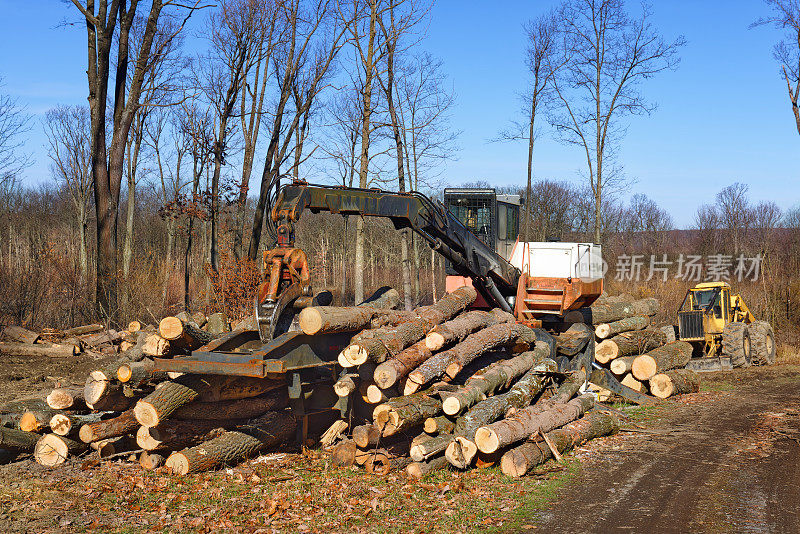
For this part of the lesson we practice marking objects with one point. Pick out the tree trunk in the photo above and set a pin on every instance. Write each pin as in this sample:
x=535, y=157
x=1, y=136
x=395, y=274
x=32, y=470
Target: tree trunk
x=499, y=375
x=344, y=454
x=138, y=374
x=329, y=319
x=125, y=423
x=36, y=420
x=529, y=421
x=12, y=439
x=420, y=469
x=402, y=413
x=675, y=382
x=52, y=450
x=183, y=335
x=458, y=329
x=390, y=372
x=48, y=350
x=379, y=344
x=268, y=431
x=670, y=356
x=69, y=425
x=441, y=424
x=432, y=447
x=520, y=460
x=462, y=451
x=613, y=310
x=66, y=399
x=629, y=344
x=234, y=409
x=573, y=341
x=622, y=365
x=606, y=330
x=175, y=435
x=22, y=335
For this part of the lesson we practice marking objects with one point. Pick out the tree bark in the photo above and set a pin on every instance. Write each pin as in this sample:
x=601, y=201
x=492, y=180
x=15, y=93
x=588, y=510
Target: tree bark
x=622, y=365
x=629, y=344
x=420, y=469
x=183, y=335
x=520, y=460
x=674, y=382
x=573, y=341
x=268, y=431
x=402, y=413
x=670, y=356
x=69, y=424
x=125, y=423
x=441, y=424
x=526, y=422
x=36, y=420
x=378, y=345
x=234, y=409
x=12, y=439
x=175, y=435
x=606, y=330
x=388, y=373
x=344, y=454
x=613, y=310
x=137, y=374
x=49, y=350
x=458, y=329
x=22, y=335
x=497, y=376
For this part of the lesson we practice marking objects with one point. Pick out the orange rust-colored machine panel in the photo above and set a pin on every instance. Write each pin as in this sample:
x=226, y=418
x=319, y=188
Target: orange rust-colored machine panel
x=540, y=295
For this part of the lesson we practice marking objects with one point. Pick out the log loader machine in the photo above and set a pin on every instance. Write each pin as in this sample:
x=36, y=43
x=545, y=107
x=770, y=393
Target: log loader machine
x=539, y=282
x=722, y=328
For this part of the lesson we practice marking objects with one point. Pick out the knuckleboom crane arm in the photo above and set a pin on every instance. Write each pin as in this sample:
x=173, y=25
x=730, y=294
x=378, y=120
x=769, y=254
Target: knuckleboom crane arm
x=493, y=276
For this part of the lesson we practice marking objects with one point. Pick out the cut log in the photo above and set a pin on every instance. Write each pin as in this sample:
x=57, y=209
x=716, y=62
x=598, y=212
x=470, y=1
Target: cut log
x=151, y=460
x=69, y=424
x=441, y=424
x=183, y=335
x=125, y=423
x=365, y=436
x=631, y=382
x=519, y=460
x=384, y=298
x=674, y=382
x=134, y=326
x=84, y=329
x=606, y=330
x=461, y=452
x=528, y=421
x=333, y=434
x=344, y=454
x=433, y=447
x=49, y=350
x=156, y=346
x=390, y=372
x=573, y=341
x=66, y=399
x=137, y=374
x=458, y=329
x=379, y=344
x=612, y=310
x=629, y=344
x=420, y=469
x=517, y=337
x=231, y=447
x=383, y=463
x=669, y=332
x=376, y=395
x=52, y=450
x=174, y=435
x=23, y=335
x=621, y=366
x=401, y=413
x=216, y=325
x=95, y=340
x=346, y=385
x=248, y=408
x=497, y=376
x=453, y=360
x=36, y=420
x=670, y=356
x=199, y=319
x=330, y=319
x=160, y=404
x=12, y=439
x=114, y=447
x=101, y=392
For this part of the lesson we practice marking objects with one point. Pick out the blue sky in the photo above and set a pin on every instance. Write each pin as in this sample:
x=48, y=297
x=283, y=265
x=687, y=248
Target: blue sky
x=723, y=116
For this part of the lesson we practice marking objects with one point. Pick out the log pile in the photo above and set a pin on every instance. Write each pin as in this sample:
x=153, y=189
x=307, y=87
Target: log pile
x=440, y=386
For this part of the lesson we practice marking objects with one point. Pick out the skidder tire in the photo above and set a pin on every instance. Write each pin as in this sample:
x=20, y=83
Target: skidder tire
x=763, y=340
x=736, y=344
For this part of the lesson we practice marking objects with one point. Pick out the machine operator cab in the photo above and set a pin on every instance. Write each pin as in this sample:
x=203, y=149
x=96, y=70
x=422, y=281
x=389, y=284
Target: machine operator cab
x=556, y=276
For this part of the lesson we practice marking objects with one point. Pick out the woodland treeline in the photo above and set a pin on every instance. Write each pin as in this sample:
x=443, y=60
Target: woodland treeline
x=161, y=183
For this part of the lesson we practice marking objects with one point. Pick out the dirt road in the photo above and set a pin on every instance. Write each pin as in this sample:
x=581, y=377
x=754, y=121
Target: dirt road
x=729, y=461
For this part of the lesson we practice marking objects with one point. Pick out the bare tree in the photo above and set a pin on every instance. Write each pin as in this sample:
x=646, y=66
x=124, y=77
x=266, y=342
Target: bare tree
x=786, y=17
x=13, y=124
x=313, y=37
x=67, y=129
x=605, y=55
x=104, y=21
x=733, y=207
